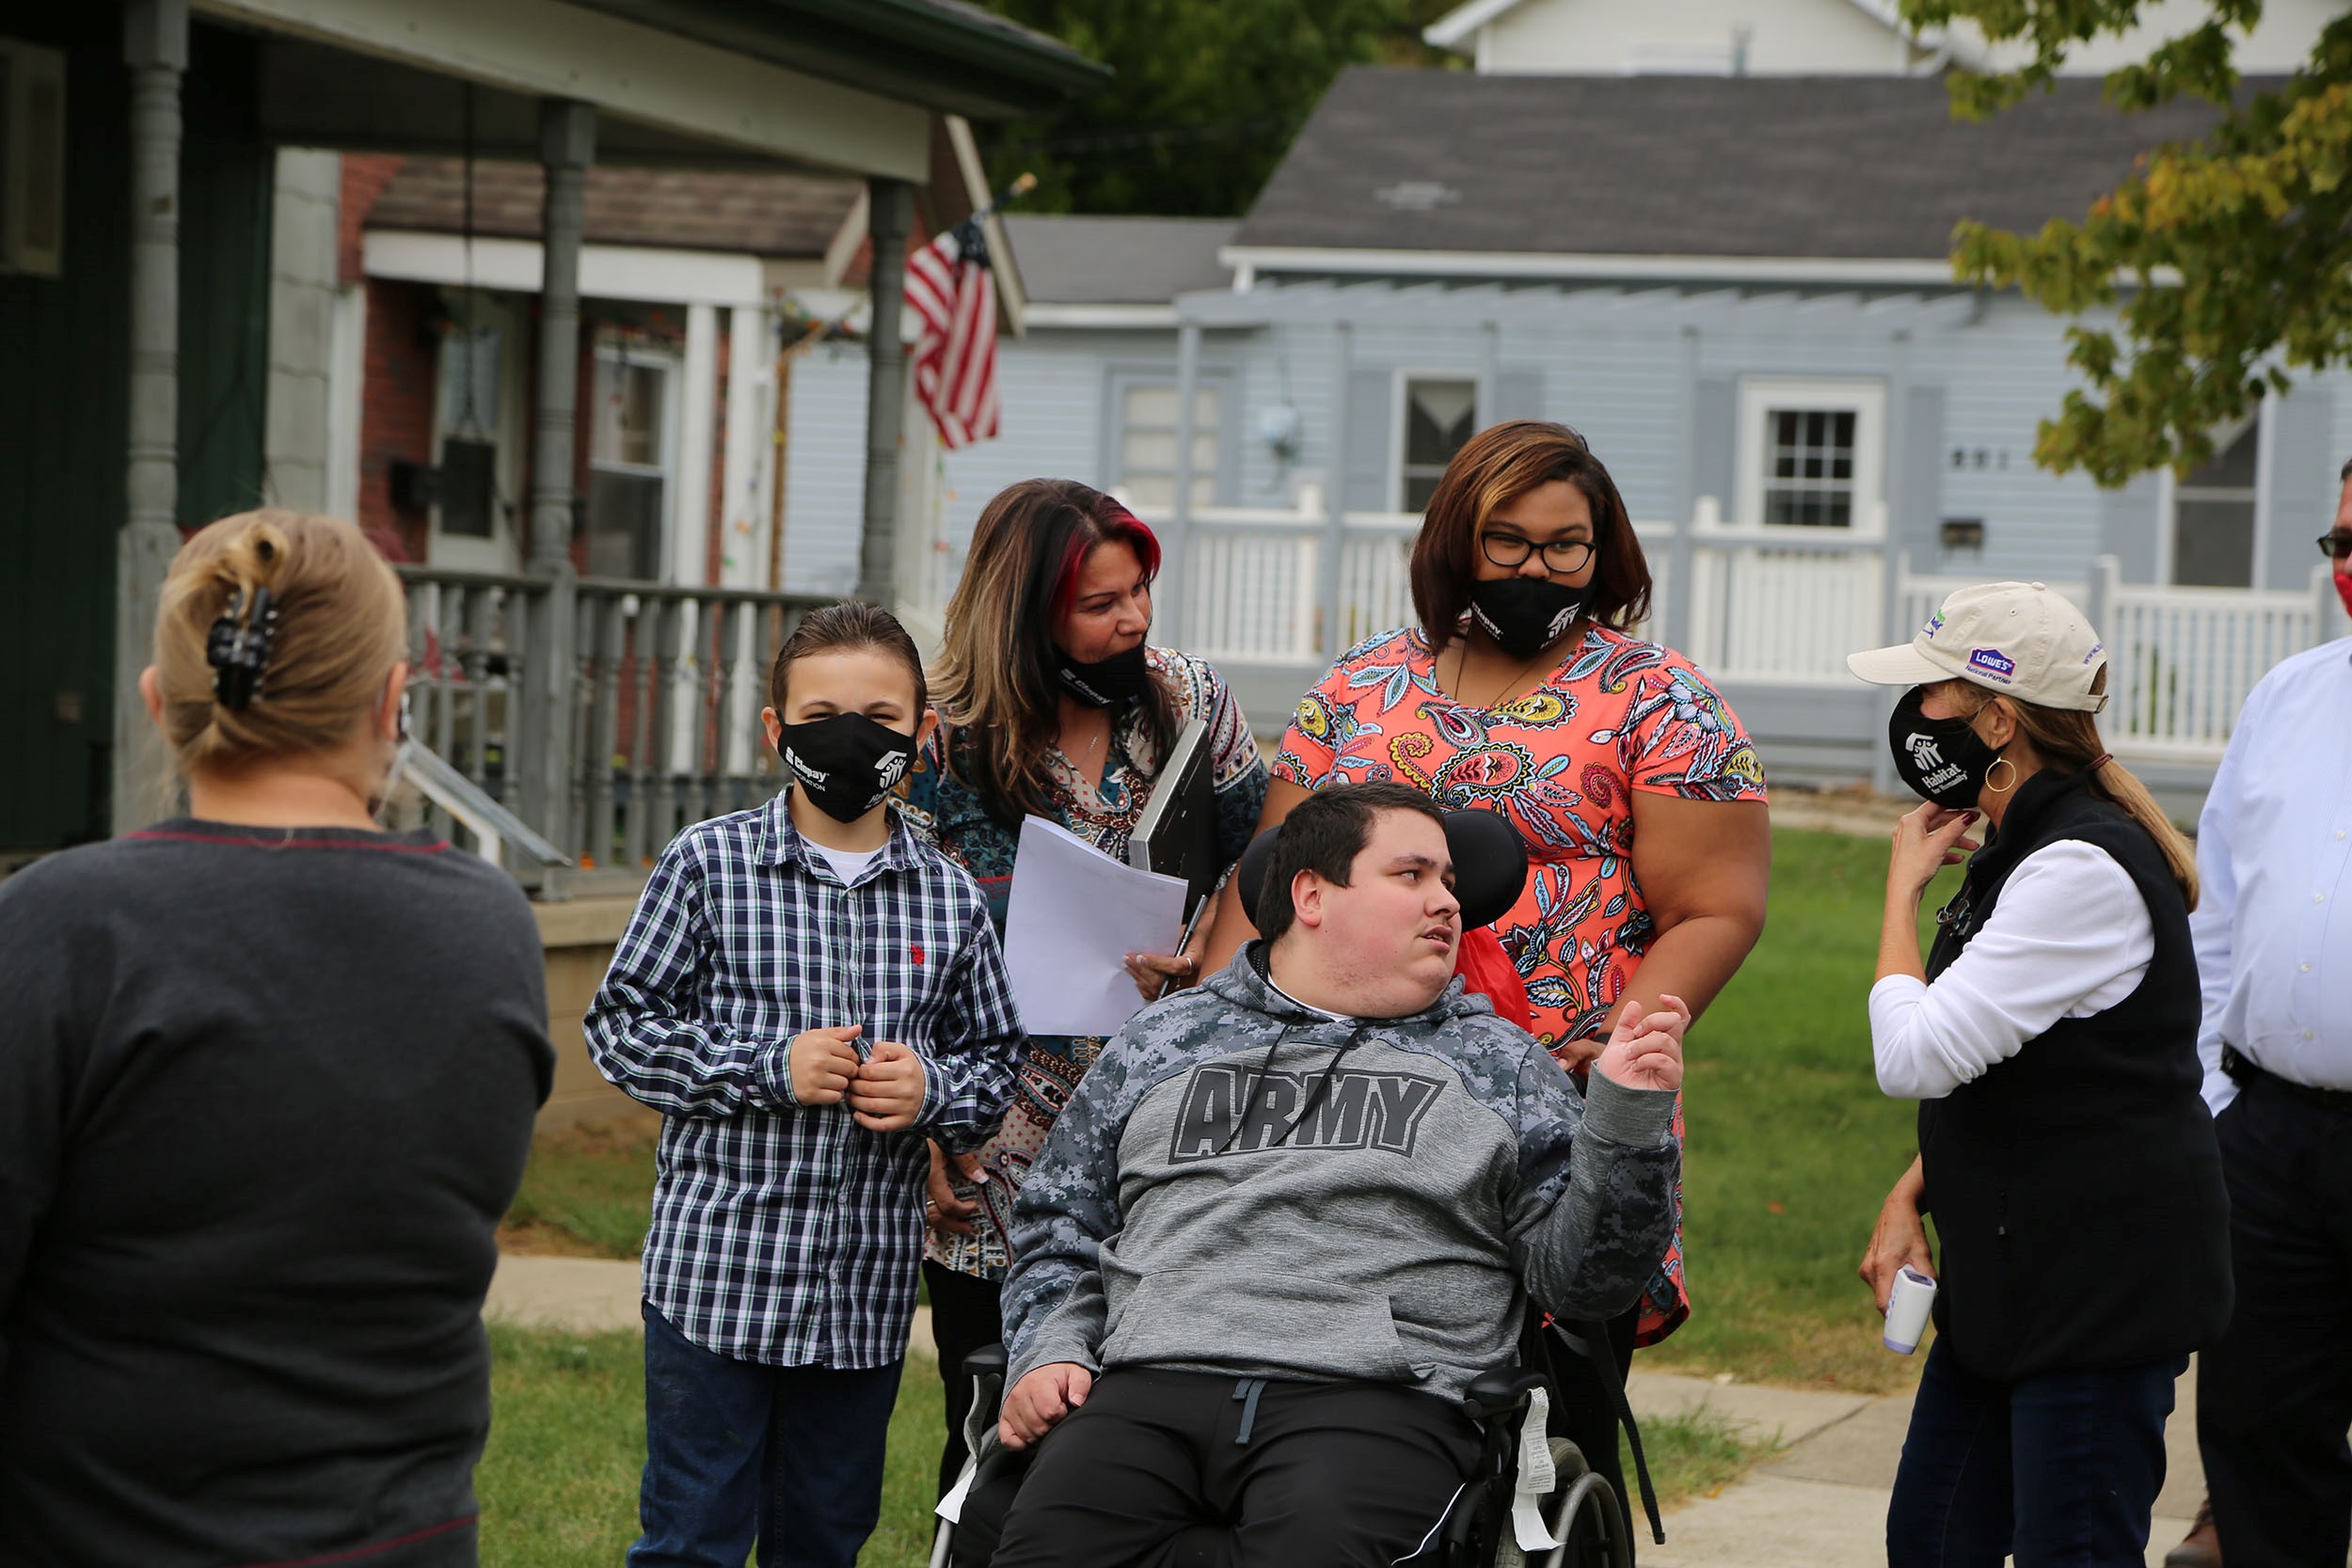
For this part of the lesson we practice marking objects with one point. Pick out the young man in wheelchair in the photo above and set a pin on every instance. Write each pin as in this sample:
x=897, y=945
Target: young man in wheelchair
x=1290, y=1215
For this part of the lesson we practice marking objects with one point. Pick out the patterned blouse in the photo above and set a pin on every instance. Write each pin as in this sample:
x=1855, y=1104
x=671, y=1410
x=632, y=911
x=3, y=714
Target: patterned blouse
x=1562, y=764
x=946, y=810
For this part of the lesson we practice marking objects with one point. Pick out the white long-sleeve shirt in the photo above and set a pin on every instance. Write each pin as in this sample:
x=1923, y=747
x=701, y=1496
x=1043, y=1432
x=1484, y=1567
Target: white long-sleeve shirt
x=2069, y=936
x=2274, y=940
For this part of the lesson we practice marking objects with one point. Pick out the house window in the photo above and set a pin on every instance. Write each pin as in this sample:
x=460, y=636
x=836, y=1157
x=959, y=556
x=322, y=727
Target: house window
x=1440, y=416
x=627, y=467
x=1809, y=467
x=2212, y=515
x=469, y=392
x=1147, y=446
x=1811, y=453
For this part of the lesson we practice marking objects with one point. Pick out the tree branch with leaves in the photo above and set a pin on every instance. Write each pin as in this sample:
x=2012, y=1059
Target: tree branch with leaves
x=2228, y=261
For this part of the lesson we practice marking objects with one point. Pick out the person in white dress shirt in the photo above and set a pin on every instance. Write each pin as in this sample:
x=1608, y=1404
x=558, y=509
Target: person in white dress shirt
x=2051, y=1041
x=2274, y=950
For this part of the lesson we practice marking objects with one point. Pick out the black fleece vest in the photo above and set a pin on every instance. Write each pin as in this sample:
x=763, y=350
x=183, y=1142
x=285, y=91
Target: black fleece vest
x=2076, y=1187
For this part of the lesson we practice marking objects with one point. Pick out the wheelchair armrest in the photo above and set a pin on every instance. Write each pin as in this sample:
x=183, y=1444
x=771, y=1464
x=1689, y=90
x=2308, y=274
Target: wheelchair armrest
x=986, y=1361
x=1501, y=1392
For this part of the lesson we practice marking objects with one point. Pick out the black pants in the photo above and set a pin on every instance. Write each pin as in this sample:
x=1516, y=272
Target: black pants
x=2275, y=1396
x=963, y=1318
x=1192, y=1470
x=1586, y=1413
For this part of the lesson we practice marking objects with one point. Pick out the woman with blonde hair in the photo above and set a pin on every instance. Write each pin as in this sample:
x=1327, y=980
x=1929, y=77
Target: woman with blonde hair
x=1051, y=704
x=2064, y=1148
x=267, y=1078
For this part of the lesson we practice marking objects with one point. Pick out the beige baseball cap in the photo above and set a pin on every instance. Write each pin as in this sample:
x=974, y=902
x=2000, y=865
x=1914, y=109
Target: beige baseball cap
x=2016, y=638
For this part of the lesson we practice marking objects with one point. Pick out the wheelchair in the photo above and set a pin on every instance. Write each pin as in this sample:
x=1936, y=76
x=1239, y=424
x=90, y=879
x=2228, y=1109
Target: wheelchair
x=1579, y=1511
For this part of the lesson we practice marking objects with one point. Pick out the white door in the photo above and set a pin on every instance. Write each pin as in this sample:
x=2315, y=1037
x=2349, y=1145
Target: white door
x=478, y=436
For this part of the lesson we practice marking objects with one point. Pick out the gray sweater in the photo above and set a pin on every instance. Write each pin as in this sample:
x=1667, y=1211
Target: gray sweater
x=1444, y=1169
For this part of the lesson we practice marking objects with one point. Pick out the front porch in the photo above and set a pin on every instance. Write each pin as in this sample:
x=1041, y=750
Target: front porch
x=156, y=302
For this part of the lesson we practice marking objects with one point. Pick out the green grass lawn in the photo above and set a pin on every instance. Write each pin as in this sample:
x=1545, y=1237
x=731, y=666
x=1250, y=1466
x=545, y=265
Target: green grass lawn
x=1791, y=1147
x=1791, y=1150
x=558, y=1482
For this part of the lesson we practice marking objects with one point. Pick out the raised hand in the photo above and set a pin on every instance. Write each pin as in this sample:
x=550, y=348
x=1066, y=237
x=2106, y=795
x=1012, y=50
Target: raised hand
x=887, y=1095
x=1927, y=839
x=1645, y=1049
x=823, y=1062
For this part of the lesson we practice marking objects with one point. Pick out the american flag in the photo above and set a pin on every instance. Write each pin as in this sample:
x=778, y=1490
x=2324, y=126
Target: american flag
x=950, y=289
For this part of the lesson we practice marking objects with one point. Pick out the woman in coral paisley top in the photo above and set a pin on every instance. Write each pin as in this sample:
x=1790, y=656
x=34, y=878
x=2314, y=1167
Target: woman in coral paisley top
x=1638, y=794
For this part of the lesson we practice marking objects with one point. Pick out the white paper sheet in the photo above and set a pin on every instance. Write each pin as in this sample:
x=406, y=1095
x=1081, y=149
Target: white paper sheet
x=1073, y=916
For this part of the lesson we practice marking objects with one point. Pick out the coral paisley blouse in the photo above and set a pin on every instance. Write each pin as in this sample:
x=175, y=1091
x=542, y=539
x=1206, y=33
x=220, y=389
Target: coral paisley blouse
x=1562, y=762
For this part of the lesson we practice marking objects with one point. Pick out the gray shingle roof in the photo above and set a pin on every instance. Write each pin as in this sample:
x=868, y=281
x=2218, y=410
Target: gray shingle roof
x=766, y=214
x=1843, y=166
x=1118, y=261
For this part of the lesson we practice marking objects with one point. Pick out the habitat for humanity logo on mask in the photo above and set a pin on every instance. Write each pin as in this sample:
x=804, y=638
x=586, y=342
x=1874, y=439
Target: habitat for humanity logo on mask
x=846, y=763
x=1943, y=760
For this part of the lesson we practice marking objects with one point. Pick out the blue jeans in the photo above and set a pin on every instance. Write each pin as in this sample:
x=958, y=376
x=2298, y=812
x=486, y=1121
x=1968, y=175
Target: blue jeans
x=2060, y=1468
x=738, y=1451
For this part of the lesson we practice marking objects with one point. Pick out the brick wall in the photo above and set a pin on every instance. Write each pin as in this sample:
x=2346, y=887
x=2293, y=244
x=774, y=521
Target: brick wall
x=365, y=175
x=396, y=408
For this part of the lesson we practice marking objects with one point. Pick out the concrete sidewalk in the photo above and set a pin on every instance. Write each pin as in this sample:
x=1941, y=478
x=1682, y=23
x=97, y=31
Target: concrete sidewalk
x=1821, y=1503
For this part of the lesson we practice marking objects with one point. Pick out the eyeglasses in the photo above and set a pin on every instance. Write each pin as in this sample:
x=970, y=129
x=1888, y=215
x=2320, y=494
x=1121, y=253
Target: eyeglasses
x=1561, y=555
x=2335, y=547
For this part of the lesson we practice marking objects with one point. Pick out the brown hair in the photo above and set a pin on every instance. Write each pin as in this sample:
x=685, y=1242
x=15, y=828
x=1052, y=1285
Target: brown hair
x=852, y=623
x=2068, y=742
x=996, y=681
x=1324, y=833
x=1497, y=466
x=340, y=629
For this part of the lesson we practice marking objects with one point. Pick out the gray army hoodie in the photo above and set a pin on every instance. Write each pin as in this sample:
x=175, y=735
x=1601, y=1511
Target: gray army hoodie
x=1244, y=1185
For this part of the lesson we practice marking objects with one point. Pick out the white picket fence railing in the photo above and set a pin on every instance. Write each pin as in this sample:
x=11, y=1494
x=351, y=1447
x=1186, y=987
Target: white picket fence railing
x=2181, y=661
x=1779, y=609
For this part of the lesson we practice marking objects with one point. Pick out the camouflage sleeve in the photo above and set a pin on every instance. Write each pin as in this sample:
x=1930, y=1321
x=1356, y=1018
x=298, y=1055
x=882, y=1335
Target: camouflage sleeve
x=1067, y=1208
x=1595, y=1206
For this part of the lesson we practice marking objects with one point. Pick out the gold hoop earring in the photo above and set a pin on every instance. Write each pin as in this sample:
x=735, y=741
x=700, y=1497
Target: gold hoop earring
x=1999, y=763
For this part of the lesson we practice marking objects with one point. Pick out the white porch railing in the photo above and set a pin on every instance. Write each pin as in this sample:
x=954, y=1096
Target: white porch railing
x=1252, y=588
x=2181, y=661
x=1779, y=608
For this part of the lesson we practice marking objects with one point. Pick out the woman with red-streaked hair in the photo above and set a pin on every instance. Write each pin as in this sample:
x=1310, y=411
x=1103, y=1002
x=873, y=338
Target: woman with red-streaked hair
x=1051, y=704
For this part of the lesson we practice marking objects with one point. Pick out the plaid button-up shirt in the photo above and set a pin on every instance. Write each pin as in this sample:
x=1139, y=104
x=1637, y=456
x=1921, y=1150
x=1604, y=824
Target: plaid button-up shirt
x=784, y=1233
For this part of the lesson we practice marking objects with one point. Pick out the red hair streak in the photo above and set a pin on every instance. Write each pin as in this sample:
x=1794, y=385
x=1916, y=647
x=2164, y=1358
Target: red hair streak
x=1117, y=523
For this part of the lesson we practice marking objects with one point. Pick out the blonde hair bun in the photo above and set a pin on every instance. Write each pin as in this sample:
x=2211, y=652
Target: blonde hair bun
x=338, y=629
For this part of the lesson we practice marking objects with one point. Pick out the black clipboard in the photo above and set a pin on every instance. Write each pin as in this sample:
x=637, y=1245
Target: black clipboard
x=1176, y=836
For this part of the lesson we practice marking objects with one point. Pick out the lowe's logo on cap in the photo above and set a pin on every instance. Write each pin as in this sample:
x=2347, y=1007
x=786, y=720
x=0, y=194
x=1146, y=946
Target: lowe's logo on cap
x=1993, y=662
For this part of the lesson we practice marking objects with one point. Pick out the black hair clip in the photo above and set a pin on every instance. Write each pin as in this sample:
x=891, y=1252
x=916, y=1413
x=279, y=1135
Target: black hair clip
x=237, y=651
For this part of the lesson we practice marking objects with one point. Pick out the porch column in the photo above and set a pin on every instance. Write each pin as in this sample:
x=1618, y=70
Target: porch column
x=1331, y=636
x=1674, y=616
x=890, y=207
x=155, y=48
x=1168, y=598
x=567, y=143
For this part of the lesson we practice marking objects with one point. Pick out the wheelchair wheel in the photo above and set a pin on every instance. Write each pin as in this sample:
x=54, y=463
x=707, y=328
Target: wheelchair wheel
x=1581, y=1513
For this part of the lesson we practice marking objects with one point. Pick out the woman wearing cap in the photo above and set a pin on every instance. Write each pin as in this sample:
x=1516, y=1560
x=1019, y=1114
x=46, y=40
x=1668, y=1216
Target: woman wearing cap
x=1051, y=705
x=2051, y=1040
x=267, y=1077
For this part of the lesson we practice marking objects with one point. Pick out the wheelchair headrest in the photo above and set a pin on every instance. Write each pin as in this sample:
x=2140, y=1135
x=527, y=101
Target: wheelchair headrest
x=1489, y=866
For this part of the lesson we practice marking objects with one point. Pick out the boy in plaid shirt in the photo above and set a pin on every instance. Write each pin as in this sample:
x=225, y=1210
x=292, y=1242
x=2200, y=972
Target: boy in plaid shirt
x=806, y=992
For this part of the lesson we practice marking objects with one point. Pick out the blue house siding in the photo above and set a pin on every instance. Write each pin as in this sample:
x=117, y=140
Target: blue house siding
x=1653, y=377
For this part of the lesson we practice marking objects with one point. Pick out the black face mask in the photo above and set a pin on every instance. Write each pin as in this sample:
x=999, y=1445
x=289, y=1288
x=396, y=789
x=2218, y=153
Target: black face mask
x=1525, y=615
x=844, y=764
x=1942, y=760
x=1106, y=682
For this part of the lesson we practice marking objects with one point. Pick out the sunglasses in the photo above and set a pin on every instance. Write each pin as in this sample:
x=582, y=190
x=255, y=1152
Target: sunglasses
x=2336, y=546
